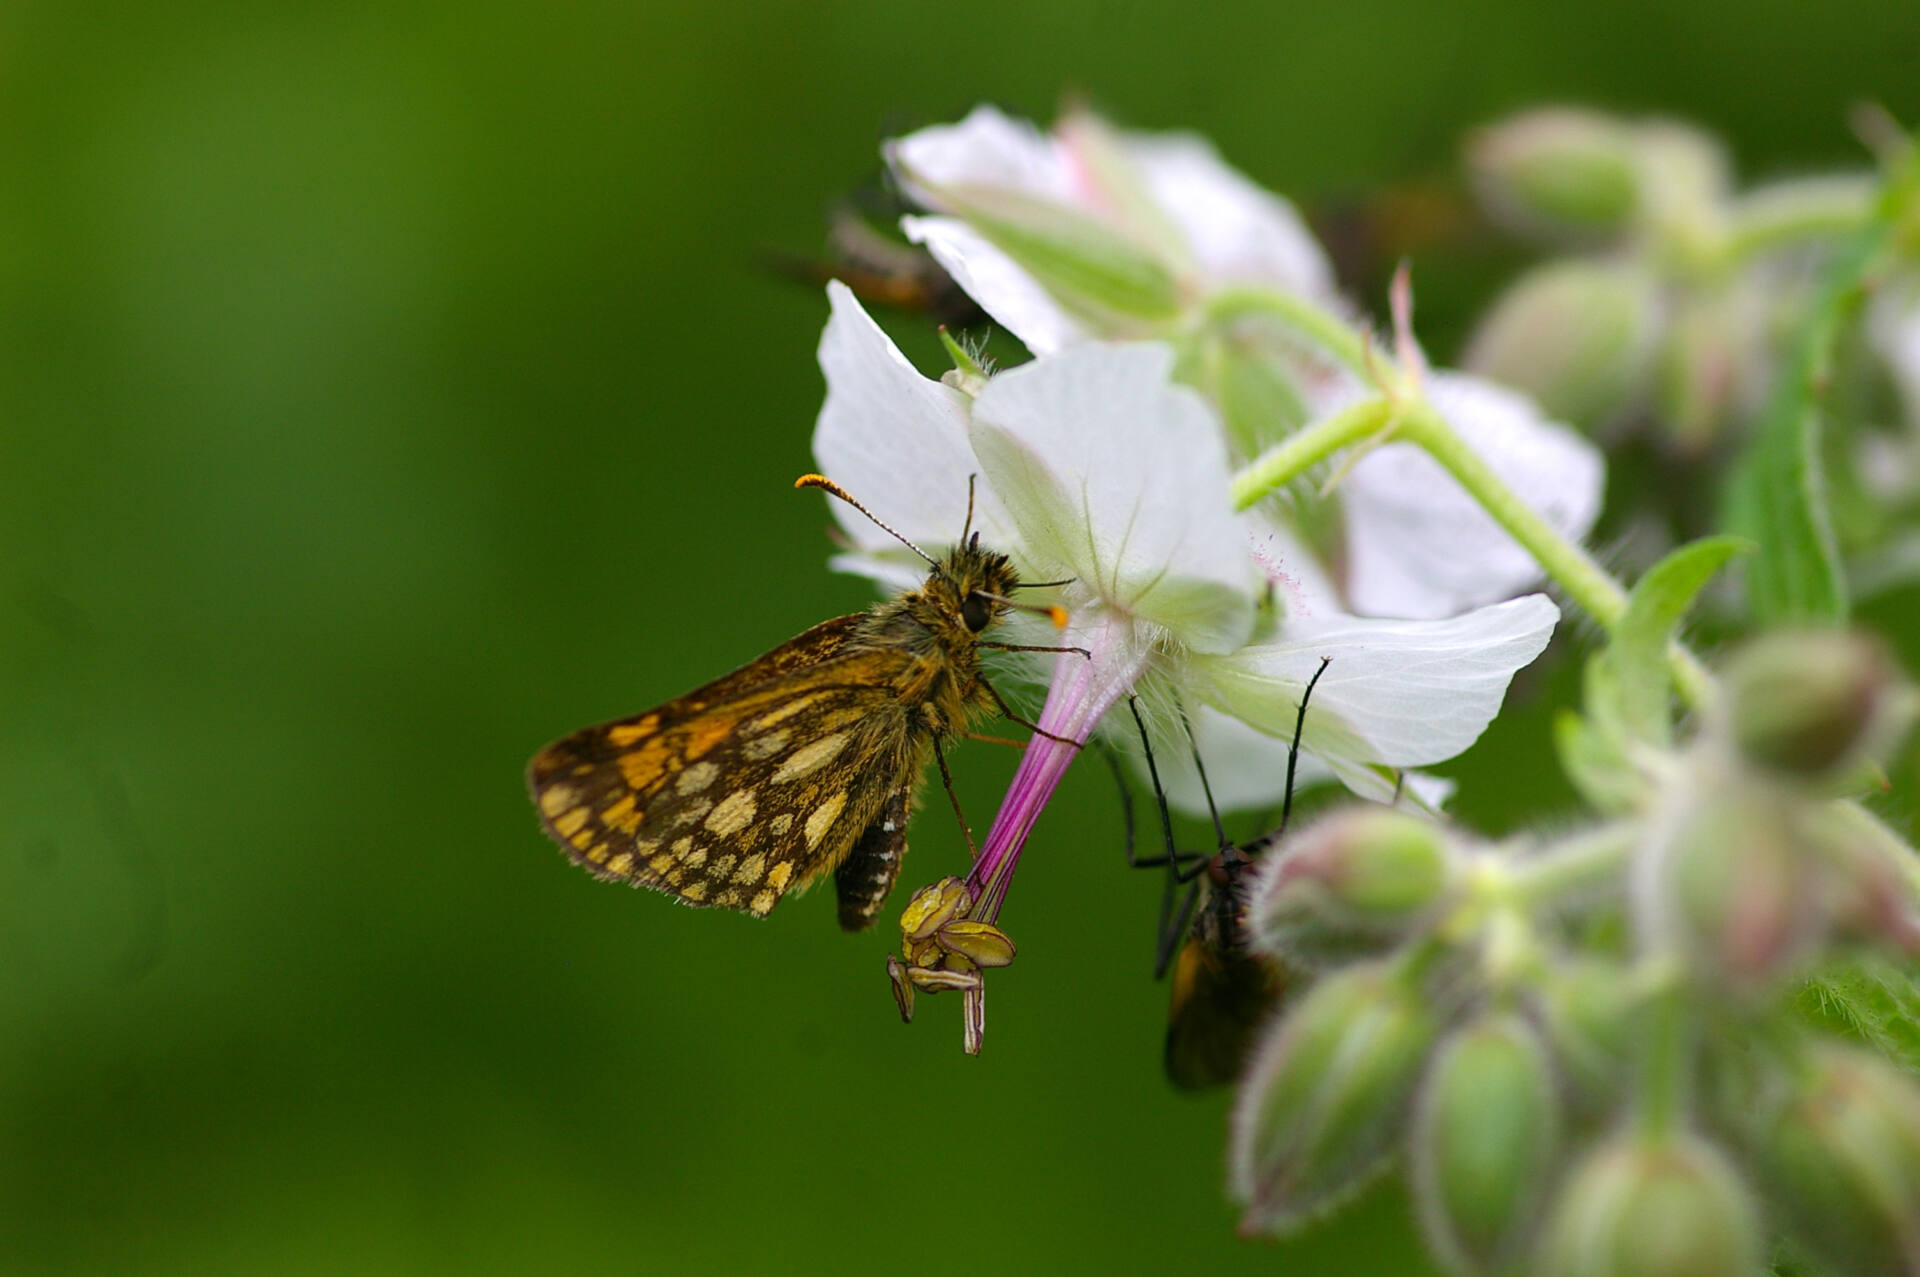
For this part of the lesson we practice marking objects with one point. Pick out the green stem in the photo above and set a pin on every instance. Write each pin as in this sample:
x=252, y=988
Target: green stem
x=1584, y=863
x=1336, y=336
x=1833, y=209
x=1665, y=1068
x=1565, y=563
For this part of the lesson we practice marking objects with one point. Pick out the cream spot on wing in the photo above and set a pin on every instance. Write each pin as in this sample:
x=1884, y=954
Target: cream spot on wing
x=556, y=800
x=782, y=713
x=823, y=817
x=694, y=891
x=729, y=897
x=621, y=864
x=661, y=863
x=681, y=846
x=694, y=858
x=599, y=853
x=732, y=815
x=696, y=778
x=765, y=746
x=692, y=811
x=811, y=757
x=780, y=824
x=723, y=865
x=763, y=903
x=780, y=875
x=750, y=871
x=568, y=823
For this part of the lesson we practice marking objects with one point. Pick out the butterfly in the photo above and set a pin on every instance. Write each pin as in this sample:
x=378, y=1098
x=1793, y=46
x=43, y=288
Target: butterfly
x=802, y=763
x=1222, y=989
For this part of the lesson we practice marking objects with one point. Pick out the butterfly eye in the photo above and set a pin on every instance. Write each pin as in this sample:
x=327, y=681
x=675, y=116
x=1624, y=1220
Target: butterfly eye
x=977, y=612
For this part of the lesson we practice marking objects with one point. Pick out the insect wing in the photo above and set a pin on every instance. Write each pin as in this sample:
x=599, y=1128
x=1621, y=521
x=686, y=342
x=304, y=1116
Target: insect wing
x=744, y=789
x=1220, y=998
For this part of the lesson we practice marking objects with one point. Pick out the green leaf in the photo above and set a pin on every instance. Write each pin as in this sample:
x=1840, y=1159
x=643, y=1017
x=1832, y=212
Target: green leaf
x=1596, y=762
x=1642, y=677
x=1778, y=493
x=1870, y=1000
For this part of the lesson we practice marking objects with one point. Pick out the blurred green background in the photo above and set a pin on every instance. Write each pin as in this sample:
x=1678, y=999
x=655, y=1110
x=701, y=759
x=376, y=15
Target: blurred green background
x=386, y=389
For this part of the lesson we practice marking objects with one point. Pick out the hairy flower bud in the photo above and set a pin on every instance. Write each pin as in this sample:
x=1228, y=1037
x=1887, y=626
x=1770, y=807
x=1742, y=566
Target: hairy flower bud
x=1579, y=336
x=1815, y=704
x=1873, y=895
x=1327, y=1095
x=1355, y=882
x=1557, y=173
x=1588, y=1004
x=1713, y=370
x=1736, y=893
x=1642, y=1208
x=1841, y=1159
x=1486, y=1136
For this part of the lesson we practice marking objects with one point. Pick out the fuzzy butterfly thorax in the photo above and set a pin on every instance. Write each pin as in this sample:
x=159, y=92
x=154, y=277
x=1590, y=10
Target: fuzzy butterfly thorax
x=801, y=763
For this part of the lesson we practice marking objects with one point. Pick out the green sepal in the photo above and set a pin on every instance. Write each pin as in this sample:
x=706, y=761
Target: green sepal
x=1092, y=270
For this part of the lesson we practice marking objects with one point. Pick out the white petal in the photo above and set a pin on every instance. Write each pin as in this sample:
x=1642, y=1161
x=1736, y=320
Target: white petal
x=1420, y=546
x=895, y=440
x=1120, y=477
x=1014, y=298
x=1238, y=232
x=1893, y=326
x=1402, y=693
x=1247, y=769
x=1300, y=581
x=986, y=149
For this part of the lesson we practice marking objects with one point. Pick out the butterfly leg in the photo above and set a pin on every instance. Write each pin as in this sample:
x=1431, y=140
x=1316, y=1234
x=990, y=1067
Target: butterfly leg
x=1010, y=716
x=946, y=779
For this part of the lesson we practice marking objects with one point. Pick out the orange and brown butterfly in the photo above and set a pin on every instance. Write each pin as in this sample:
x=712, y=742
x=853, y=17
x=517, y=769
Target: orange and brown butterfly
x=802, y=763
x=1221, y=989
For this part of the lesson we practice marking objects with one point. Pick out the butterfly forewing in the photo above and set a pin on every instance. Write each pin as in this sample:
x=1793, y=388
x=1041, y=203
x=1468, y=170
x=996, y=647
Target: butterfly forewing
x=742, y=790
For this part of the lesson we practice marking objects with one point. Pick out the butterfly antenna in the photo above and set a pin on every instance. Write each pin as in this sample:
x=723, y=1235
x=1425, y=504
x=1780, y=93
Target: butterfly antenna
x=968, y=526
x=1293, y=750
x=828, y=486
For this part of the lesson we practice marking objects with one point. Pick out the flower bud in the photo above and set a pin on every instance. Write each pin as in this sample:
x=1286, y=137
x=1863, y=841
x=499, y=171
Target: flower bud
x=1588, y=1005
x=1355, y=882
x=1871, y=894
x=1579, y=336
x=1736, y=893
x=1486, y=1136
x=1816, y=704
x=1643, y=1208
x=1841, y=1160
x=1327, y=1095
x=1557, y=173
x=1101, y=274
x=1713, y=370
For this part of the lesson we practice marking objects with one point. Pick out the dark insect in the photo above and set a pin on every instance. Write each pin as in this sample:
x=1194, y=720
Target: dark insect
x=1222, y=990
x=802, y=763
x=882, y=269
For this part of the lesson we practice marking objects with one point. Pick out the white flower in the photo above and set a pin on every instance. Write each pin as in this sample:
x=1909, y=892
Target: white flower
x=1094, y=465
x=1170, y=194
x=1416, y=544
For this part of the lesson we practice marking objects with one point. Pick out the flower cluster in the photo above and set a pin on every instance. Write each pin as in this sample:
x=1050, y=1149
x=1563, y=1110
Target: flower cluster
x=1553, y=1093
x=1595, y=1049
x=1108, y=463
